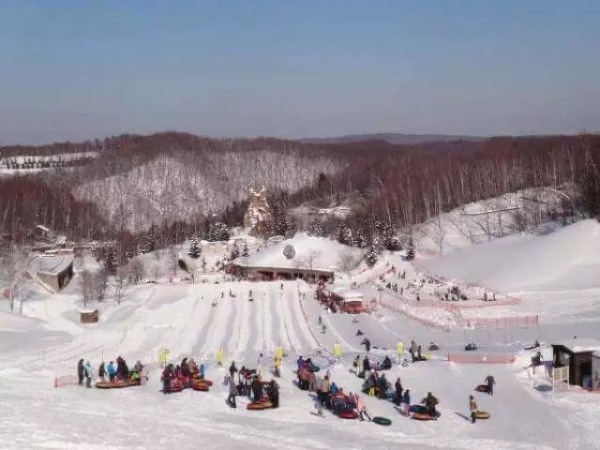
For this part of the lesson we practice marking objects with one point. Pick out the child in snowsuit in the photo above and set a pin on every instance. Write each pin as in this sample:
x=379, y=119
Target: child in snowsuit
x=361, y=408
x=472, y=408
x=406, y=402
x=88, y=374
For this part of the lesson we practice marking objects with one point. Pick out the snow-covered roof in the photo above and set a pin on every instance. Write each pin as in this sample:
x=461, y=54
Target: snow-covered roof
x=311, y=253
x=346, y=293
x=51, y=264
x=578, y=345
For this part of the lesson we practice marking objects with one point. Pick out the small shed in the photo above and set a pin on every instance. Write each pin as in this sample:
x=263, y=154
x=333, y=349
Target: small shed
x=89, y=316
x=580, y=355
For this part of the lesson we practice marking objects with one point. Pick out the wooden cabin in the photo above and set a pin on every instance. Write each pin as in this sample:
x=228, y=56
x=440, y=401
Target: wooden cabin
x=582, y=356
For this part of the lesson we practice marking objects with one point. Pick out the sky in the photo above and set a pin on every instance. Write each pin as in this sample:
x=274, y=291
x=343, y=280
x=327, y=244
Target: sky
x=79, y=69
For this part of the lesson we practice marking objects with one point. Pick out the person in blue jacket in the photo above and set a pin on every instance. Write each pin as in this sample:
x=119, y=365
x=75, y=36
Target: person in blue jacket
x=112, y=371
x=201, y=371
x=88, y=374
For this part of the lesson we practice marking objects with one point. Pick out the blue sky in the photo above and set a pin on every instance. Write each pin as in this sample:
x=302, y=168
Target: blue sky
x=76, y=69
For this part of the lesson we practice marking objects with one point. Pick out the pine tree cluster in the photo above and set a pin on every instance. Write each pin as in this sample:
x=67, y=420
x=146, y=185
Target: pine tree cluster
x=218, y=231
x=195, y=250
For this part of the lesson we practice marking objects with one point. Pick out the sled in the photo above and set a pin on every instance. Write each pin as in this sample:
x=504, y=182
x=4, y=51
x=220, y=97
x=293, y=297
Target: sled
x=471, y=347
x=434, y=347
x=347, y=414
x=262, y=404
x=199, y=387
x=481, y=415
x=421, y=416
x=117, y=384
x=482, y=388
x=209, y=383
x=174, y=389
x=382, y=421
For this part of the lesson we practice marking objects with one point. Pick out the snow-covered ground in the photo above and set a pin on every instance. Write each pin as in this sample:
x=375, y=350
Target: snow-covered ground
x=48, y=340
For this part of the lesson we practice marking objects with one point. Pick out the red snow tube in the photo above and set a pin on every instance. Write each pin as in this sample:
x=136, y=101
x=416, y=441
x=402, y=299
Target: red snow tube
x=117, y=384
x=263, y=404
x=199, y=386
x=347, y=414
x=482, y=388
x=202, y=380
x=176, y=388
x=421, y=416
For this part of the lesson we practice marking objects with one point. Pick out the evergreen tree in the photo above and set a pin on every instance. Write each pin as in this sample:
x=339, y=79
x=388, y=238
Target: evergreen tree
x=218, y=232
x=344, y=235
x=111, y=263
x=194, y=248
x=152, y=239
x=390, y=241
x=371, y=257
x=360, y=240
x=235, y=252
x=245, y=250
x=410, y=250
x=317, y=229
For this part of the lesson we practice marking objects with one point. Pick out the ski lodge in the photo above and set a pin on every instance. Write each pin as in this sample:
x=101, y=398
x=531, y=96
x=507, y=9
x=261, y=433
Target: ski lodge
x=305, y=257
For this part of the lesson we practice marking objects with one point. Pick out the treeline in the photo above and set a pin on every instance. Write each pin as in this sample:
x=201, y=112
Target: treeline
x=186, y=179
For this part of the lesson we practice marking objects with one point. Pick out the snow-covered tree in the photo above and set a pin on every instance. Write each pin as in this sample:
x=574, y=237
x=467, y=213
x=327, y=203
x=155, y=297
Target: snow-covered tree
x=359, y=238
x=410, y=249
x=194, y=251
x=235, y=252
x=111, y=262
x=245, y=249
x=317, y=229
x=152, y=239
x=344, y=235
x=371, y=257
x=218, y=231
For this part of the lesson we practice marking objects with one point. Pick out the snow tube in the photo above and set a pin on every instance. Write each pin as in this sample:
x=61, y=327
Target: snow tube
x=117, y=384
x=482, y=388
x=347, y=414
x=174, y=389
x=481, y=415
x=382, y=421
x=262, y=404
x=421, y=416
x=199, y=387
x=419, y=409
x=203, y=381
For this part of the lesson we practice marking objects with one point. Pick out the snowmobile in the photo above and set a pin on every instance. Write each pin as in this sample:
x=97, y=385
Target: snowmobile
x=433, y=347
x=471, y=346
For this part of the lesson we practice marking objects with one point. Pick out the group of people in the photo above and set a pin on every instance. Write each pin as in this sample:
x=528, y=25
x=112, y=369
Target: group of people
x=116, y=372
x=250, y=384
x=489, y=383
x=181, y=374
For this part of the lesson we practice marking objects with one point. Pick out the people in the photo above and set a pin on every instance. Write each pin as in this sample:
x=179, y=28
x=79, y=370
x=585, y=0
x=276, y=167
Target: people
x=419, y=355
x=112, y=371
x=273, y=393
x=168, y=375
x=88, y=374
x=412, y=350
x=387, y=363
x=102, y=372
x=122, y=369
x=430, y=403
x=406, y=402
x=490, y=382
x=367, y=343
x=257, y=388
x=80, y=371
x=361, y=408
x=536, y=360
x=472, y=408
x=201, y=371
x=398, y=393
x=324, y=391
x=356, y=364
x=324, y=329
x=366, y=365
x=233, y=391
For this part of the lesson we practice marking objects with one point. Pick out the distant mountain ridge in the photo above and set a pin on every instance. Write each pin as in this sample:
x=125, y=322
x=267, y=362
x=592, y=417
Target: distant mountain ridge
x=391, y=138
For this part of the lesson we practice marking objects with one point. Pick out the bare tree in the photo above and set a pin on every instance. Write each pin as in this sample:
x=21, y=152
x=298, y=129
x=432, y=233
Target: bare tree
x=347, y=260
x=135, y=270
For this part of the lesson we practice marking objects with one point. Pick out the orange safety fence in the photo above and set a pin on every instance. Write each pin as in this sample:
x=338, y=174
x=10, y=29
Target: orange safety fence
x=502, y=322
x=478, y=358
